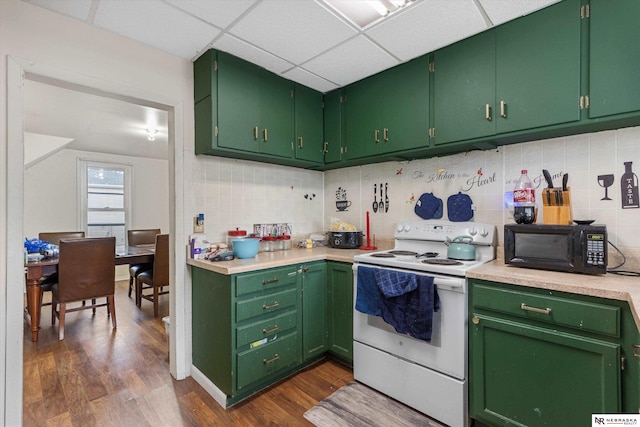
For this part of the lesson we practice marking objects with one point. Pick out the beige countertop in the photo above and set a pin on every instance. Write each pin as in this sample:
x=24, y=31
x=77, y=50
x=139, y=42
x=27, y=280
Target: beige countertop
x=277, y=259
x=611, y=286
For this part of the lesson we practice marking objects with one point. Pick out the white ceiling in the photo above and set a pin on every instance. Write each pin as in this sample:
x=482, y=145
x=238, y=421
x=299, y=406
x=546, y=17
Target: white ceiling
x=303, y=40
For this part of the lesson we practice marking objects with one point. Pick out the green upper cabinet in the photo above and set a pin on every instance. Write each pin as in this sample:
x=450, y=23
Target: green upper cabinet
x=614, y=57
x=333, y=126
x=388, y=112
x=538, y=69
x=523, y=75
x=464, y=89
x=308, y=125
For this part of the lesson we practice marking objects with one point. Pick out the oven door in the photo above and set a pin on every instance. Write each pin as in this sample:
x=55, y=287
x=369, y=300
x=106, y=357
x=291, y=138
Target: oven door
x=447, y=351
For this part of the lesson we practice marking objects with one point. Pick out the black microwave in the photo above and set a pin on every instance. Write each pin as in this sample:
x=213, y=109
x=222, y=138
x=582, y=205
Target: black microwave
x=571, y=248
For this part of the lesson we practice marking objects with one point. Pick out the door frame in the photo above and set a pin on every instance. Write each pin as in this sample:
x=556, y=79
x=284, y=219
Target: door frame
x=11, y=326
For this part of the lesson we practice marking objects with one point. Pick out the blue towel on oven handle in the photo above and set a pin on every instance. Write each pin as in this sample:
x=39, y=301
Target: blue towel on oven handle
x=412, y=313
x=368, y=296
x=393, y=283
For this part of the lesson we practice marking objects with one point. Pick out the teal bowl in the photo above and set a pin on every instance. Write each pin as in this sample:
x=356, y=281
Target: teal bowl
x=245, y=248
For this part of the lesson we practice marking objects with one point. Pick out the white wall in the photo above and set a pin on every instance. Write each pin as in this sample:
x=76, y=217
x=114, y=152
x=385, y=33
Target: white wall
x=487, y=175
x=44, y=43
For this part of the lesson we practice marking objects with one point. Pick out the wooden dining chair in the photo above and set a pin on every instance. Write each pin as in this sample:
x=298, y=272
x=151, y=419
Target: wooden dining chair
x=54, y=237
x=157, y=277
x=135, y=238
x=86, y=271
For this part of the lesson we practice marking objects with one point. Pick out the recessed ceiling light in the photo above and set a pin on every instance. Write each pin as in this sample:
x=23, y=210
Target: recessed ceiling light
x=366, y=12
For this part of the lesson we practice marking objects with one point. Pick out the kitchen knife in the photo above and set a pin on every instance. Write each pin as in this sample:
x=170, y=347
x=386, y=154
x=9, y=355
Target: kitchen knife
x=547, y=177
x=565, y=180
x=381, y=204
x=386, y=198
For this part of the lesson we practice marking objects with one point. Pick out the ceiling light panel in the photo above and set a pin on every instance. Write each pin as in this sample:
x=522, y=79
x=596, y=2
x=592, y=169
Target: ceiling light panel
x=157, y=24
x=292, y=29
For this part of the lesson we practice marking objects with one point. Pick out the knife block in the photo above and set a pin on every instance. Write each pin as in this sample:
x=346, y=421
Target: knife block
x=554, y=213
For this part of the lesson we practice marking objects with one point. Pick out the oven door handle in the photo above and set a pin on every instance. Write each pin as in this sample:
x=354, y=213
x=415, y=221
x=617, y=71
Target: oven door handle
x=443, y=282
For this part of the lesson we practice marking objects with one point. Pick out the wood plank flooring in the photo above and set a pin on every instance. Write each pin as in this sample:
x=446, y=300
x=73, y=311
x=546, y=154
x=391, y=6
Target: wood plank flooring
x=98, y=376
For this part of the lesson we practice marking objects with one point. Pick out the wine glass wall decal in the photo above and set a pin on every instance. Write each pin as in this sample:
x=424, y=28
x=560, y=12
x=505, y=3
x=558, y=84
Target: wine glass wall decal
x=605, y=181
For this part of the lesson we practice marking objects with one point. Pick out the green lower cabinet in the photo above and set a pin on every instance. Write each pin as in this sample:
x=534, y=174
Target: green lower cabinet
x=546, y=358
x=314, y=310
x=340, y=308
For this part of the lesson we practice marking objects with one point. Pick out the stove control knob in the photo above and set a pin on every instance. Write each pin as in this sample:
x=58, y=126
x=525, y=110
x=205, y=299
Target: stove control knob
x=484, y=232
x=473, y=231
x=399, y=228
x=407, y=227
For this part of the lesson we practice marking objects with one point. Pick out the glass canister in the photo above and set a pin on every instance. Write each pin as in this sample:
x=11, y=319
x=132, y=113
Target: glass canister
x=235, y=234
x=284, y=242
x=269, y=243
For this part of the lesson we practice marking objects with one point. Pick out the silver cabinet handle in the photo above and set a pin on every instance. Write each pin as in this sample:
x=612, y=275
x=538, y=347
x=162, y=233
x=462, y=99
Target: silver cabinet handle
x=255, y=133
x=525, y=307
x=267, y=307
x=376, y=136
x=503, y=109
x=265, y=135
x=300, y=142
x=487, y=112
x=273, y=359
x=385, y=134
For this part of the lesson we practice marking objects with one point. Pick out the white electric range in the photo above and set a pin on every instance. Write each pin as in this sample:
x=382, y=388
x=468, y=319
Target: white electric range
x=428, y=376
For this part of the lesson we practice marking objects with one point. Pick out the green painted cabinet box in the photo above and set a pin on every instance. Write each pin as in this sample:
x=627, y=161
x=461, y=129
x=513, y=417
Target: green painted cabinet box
x=546, y=358
x=522, y=75
x=333, y=126
x=340, y=308
x=308, y=144
x=314, y=310
x=388, y=112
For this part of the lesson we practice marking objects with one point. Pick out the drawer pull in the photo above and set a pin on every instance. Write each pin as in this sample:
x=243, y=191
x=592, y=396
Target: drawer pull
x=376, y=137
x=503, y=108
x=268, y=331
x=535, y=310
x=267, y=282
x=487, y=112
x=255, y=133
x=273, y=359
x=266, y=307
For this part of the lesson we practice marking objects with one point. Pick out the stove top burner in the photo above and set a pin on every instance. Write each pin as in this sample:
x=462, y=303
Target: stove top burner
x=441, y=261
x=427, y=255
x=407, y=253
x=383, y=255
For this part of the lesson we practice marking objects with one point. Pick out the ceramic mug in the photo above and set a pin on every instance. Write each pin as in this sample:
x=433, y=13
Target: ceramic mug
x=342, y=205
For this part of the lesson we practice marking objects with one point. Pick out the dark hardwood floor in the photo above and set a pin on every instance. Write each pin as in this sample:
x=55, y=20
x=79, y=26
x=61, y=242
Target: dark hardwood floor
x=98, y=376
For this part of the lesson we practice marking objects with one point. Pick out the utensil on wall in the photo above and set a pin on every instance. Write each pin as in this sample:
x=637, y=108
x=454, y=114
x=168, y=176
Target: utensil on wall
x=386, y=197
x=381, y=204
x=375, y=194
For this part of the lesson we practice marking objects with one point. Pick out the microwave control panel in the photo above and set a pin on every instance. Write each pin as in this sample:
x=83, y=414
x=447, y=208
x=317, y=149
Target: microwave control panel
x=596, y=245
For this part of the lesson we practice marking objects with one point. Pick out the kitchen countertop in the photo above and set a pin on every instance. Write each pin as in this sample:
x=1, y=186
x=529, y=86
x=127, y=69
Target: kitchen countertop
x=611, y=286
x=278, y=259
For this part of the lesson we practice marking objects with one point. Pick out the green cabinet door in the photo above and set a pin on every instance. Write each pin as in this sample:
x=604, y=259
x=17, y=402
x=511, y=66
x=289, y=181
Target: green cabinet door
x=464, y=89
x=404, y=100
x=527, y=375
x=333, y=126
x=538, y=69
x=340, y=307
x=276, y=115
x=614, y=57
x=363, y=118
x=308, y=124
x=238, y=104
x=314, y=310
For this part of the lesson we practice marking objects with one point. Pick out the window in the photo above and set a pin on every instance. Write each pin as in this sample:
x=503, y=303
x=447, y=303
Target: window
x=105, y=200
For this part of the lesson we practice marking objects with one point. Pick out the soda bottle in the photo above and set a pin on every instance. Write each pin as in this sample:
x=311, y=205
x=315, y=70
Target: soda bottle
x=524, y=200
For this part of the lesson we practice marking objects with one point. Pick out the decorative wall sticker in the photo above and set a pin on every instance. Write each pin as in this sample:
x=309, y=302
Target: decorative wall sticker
x=417, y=174
x=629, y=188
x=399, y=171
x=310, y=196
x=479, y=172
x=412, y=199
x=606, y=181
x=341, y=200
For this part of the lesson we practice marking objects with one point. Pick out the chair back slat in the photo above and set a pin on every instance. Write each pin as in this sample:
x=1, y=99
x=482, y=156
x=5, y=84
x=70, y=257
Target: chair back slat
x=142, y=237
x=161, y=261
x=55, y=236
x=86, y=268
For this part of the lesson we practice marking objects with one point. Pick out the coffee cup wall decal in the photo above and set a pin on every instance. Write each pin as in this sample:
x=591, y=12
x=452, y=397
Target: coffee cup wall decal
x=342, y=205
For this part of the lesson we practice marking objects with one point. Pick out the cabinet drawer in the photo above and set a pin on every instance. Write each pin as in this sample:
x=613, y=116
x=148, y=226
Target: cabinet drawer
x=268, y=303
x=267, y=359
x=580, y=315
x=265, y=280
x=268, y=328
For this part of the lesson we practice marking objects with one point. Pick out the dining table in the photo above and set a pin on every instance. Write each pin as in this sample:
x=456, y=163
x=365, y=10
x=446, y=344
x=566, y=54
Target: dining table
x=36, y=270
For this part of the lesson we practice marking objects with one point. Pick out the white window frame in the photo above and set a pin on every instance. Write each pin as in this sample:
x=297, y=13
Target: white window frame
x=83, y=165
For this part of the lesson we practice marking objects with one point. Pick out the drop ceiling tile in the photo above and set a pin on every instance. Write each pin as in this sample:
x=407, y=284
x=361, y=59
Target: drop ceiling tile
x=78, y=9
x=292, y=29
x=220, y=13
x=156, y=24
x=251, y=53
x=501, y=11
x=351, y=61
x=306, y=78
x=427, y=26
